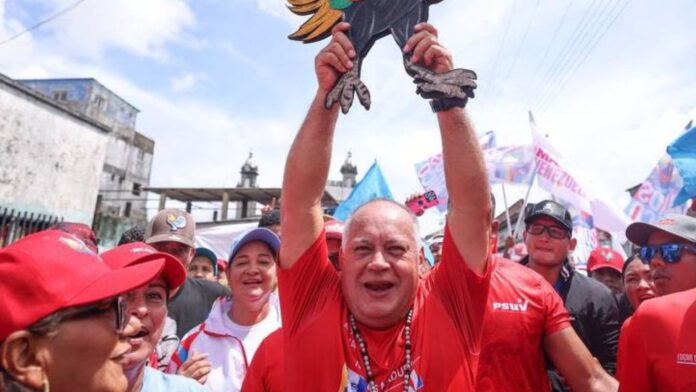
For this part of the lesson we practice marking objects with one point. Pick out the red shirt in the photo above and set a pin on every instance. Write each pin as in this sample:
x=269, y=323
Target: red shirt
x=657, y=349
x=522, y=310
x=321, y=353
x=265, y=373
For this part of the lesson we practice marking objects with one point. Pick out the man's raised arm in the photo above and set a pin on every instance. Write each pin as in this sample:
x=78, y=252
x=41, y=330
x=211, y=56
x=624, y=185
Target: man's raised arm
x=469, y=215
x=307, y=166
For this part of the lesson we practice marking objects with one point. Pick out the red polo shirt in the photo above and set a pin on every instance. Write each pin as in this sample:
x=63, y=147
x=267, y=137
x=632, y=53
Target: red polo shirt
x=321, y=353
x=265, y=373
x=657, y=349
x=522, y=310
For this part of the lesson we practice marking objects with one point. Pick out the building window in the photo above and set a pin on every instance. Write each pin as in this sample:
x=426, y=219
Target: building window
x=136, y=189
x=141, y=155
x=99, y=102
x=127, y=210
x=60, y=95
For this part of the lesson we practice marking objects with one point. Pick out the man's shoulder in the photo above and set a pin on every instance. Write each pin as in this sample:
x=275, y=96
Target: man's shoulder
x=666, y=307
x=510, y=277
x=517, y=274
x=510, y=268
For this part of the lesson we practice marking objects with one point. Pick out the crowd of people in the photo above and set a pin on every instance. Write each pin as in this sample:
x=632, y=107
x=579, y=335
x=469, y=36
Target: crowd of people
x=306, y=302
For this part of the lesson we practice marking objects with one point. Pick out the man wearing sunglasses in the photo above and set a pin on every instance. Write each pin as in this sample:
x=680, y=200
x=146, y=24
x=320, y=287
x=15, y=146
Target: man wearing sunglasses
x=593, y=310
x=658, y=346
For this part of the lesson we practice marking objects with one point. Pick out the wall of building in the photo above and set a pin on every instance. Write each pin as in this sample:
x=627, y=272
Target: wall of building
x=127, y=169
x=50, y=160
x=91, y=98
x=129, y=154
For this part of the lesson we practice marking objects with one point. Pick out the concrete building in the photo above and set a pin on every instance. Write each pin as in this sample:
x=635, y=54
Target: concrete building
x=51, y=160
x=126, y=168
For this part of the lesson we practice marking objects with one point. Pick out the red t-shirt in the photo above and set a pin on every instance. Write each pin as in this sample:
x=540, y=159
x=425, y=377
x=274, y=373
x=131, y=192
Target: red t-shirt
x=522, y=310
x=265, y=373
x=657, y=349
x=321, y=353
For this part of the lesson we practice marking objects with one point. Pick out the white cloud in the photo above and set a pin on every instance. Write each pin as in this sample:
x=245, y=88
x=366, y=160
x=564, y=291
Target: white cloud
x=187, y=81
x=278, y=9
x=143, y=28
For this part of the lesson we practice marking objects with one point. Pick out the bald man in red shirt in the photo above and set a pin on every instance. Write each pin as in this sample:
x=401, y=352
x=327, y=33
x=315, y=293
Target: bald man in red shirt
x=377, y=326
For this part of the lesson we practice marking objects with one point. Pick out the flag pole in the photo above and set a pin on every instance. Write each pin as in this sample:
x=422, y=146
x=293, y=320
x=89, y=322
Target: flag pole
x=529, y=188
x=526, y=200
x=507, y=209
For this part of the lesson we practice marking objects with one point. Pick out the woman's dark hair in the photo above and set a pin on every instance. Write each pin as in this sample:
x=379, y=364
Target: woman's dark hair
x=628, y=261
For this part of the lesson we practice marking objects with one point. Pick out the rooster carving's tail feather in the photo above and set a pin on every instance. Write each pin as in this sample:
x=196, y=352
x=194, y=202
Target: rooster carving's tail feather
x=319, y=25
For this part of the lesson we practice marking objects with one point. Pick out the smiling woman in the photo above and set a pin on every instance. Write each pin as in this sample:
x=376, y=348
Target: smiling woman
x=236, y=326
x=62, y=302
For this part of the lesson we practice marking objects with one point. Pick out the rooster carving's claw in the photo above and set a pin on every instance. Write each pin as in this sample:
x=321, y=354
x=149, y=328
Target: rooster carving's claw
x=457, y=83
x=344, y=90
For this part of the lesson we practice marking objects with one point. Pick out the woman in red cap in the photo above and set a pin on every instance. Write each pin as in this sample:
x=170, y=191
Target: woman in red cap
x=147, y=304
x=64, y=321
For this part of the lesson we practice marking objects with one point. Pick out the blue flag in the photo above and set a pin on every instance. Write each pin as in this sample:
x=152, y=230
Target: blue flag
x=372, y=186
x=683, y=153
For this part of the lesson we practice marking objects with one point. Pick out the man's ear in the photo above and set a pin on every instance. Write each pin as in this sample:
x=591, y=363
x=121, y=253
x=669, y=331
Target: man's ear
x=20, y=358
x=341, y=260
x=572, y=244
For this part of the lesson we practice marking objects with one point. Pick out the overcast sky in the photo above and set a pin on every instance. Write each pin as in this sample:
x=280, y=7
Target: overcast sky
x=611, y=82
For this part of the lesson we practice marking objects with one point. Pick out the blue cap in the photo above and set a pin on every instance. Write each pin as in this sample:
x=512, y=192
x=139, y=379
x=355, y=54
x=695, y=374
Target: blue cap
x=210, y=255
x=257, y=234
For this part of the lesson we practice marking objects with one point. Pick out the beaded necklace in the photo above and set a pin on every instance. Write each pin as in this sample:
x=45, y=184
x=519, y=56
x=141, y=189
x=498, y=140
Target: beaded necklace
x=371, y=386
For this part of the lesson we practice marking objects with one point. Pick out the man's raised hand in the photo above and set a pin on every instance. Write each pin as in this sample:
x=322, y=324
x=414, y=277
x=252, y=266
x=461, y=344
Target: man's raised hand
x=335, y=59
x=426, y=50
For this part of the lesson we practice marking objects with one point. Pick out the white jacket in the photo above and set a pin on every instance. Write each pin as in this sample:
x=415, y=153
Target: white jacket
x=230, y=347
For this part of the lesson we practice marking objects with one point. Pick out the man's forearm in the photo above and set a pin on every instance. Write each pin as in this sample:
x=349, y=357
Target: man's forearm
x=306, y=171
x=467, y=186
x=603, y=382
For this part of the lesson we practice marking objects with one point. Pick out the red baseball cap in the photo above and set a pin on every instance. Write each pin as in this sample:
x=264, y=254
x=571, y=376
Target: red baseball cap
x=605, y=258
x=334, y=229
x=81, y=231
x=139, y=252
x=52, y=270
x=222, y=265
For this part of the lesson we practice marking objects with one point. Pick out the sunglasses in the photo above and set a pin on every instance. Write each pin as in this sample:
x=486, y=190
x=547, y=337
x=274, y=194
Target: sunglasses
x=669, y=253
x=118, y=303
x=554, y=231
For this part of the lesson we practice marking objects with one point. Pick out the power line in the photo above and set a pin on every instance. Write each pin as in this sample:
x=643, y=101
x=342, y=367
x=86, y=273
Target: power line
x=586, y=55
x=581, y=44
x=500, y=49
x=568, y=47
x=43, y=22
x=524, y=38
x=561, y=23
